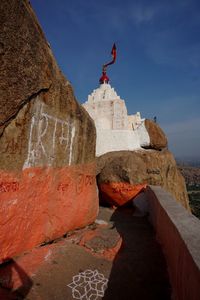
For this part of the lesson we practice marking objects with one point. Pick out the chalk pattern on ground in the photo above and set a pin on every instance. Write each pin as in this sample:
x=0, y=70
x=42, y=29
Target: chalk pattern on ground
x=88, y=285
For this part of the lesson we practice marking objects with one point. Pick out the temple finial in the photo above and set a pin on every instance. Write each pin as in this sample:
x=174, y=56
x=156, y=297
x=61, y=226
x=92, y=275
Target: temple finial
x=104, y=78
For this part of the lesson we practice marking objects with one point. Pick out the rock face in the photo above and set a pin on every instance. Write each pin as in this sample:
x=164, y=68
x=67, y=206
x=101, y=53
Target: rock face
x=47, y=140
x=141, y=167
x=157, y=137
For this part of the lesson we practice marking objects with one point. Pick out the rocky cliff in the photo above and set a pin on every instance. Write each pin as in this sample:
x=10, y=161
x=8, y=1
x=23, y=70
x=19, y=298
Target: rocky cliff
x=47, y=140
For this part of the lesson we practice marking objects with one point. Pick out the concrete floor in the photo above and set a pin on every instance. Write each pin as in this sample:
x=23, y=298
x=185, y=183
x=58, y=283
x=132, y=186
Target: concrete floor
x=116, y=258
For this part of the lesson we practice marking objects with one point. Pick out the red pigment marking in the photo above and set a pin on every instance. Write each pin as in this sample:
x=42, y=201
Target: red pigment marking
x=48, y=203
x=108, y=254
x=119, y=193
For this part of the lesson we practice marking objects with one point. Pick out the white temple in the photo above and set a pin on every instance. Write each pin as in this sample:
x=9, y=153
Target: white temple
x=116, y=130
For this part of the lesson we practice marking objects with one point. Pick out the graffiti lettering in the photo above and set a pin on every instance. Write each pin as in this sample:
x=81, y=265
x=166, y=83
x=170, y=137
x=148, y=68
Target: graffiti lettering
x=63, y=187
x=122, y=188
x=153, y=171
x=89, y=180
x=80, y=183
x=49, y=134
x=84, y=180
x=9, y=186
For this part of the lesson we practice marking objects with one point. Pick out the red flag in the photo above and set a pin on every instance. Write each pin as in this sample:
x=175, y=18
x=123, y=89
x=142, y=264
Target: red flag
x=114, y=54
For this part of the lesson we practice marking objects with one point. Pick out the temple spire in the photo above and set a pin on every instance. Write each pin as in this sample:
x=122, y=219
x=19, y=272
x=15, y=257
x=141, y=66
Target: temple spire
x=104, y=78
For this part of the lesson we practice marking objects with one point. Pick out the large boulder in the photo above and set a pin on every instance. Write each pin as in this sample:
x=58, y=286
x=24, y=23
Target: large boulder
x=126, y=170
x=47, y=140
x=158, y=139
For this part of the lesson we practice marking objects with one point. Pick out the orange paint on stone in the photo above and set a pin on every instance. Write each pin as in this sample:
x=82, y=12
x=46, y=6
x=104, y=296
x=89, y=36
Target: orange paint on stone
x=107, y=253
x=120, y=193
x=41, y=204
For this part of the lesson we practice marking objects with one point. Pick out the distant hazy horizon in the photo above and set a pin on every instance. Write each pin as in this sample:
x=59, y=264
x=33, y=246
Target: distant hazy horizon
x=184, y=138
x=188, y=158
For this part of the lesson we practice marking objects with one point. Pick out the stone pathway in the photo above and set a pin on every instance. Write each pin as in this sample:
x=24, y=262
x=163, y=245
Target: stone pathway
x=115, y=258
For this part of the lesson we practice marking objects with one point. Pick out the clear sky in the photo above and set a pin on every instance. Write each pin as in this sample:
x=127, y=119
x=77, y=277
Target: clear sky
x=157, y=71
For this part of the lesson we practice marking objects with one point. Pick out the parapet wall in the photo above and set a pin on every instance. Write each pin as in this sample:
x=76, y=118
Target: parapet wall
x=178, y=232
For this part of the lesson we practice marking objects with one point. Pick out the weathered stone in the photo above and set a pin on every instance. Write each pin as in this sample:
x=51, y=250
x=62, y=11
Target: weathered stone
x=47, y=143
x=158, y=139
x=26, y=60
x=142, y=167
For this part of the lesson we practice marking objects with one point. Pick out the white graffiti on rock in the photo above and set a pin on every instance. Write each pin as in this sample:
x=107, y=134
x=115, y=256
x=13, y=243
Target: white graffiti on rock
x=58, y=132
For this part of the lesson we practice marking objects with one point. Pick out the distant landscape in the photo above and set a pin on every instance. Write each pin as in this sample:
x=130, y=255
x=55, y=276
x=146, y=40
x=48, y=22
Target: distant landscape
x=190, y=169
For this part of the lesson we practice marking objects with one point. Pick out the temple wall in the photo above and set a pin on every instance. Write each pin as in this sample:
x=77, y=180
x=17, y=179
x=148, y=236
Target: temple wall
x=144, y=137
x=116, y=140
x=109, y=111
x=108, y=114
x=134, y=121
x=115, y=129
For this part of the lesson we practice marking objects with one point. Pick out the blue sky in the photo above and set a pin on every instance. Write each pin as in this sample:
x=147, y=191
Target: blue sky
x=157, y=71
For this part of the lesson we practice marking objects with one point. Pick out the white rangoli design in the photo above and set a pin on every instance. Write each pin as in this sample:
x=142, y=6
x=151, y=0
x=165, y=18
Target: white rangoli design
x=88, y=285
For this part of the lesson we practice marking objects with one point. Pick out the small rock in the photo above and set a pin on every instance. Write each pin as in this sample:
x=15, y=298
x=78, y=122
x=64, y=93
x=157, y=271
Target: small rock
x=101, y=222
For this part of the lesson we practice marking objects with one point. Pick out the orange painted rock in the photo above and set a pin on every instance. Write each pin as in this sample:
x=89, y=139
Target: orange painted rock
x=145, y=166
x=120, y=193
x=47, y=140
x=41, y=204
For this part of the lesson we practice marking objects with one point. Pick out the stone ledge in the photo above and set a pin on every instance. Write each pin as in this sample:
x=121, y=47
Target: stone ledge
x=178, y=232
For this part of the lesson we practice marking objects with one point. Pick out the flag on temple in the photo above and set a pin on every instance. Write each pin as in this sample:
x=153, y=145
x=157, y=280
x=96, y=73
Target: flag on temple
x=114, y=54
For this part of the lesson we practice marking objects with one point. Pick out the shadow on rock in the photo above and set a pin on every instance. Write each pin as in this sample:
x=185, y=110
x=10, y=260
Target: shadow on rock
x=15, y=284
x=139, y=269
